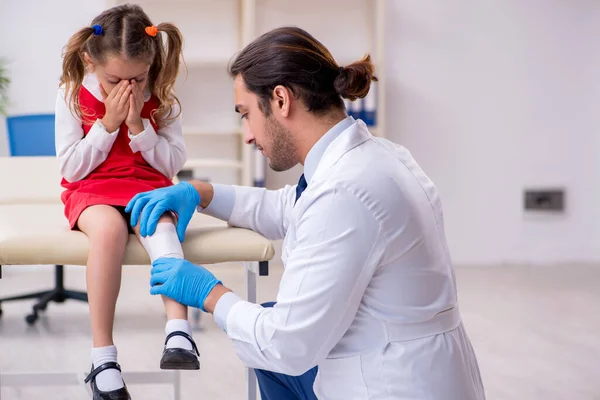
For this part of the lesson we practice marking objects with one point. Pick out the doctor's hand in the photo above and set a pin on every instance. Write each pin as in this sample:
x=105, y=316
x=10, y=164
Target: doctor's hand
x=148, y=207
x=182, y=281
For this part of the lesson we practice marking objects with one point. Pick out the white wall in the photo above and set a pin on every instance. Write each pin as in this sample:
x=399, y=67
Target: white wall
x=493, y=97
x=33, y=34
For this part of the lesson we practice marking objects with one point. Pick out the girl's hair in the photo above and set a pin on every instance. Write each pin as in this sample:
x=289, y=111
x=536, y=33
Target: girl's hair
x=291, y=57
x=121, y=31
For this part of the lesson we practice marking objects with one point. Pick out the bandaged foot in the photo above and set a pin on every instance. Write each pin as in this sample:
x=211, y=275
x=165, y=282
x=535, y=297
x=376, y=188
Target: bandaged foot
x=165, y=244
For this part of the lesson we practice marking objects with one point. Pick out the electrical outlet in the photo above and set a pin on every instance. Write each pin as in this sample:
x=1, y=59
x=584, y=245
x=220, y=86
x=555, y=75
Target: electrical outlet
x=544, y=200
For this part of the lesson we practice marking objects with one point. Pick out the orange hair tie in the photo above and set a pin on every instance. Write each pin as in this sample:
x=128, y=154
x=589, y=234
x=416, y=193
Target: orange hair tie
x=151, y=30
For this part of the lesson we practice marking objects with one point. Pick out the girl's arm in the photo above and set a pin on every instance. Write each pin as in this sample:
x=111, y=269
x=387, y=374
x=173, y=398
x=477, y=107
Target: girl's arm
x=78, y=154
x=163, y=150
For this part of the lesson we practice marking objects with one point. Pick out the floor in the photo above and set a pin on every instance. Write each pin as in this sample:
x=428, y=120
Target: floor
x=536, y=332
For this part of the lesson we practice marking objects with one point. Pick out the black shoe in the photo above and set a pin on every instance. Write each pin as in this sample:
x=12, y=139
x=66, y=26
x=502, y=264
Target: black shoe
x=178, y=358
x=119, y=394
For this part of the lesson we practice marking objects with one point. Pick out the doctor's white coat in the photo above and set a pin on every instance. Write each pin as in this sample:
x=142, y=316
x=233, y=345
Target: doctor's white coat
x=368, y=293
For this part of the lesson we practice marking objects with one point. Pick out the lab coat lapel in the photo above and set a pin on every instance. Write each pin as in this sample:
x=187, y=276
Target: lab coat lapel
x=354, y=136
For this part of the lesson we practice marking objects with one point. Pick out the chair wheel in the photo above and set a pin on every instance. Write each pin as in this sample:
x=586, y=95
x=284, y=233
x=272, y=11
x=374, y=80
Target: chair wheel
x=31, y=318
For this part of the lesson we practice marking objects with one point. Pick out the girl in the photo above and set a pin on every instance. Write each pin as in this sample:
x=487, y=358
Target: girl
x=118, y=133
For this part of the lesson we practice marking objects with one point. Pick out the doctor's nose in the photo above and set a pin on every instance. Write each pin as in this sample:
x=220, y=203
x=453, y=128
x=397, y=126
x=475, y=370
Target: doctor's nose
x=248, y=136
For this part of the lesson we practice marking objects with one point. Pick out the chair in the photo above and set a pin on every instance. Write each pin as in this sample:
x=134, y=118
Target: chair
x=33, y=135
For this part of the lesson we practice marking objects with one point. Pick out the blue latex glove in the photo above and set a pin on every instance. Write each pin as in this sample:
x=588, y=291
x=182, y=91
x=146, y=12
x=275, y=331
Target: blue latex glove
x=182, y=281
x=181, y=199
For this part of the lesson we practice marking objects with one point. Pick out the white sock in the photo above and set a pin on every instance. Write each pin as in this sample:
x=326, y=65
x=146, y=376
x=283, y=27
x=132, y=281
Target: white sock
x=178, y=341
x=109, y=379
x=163, y=243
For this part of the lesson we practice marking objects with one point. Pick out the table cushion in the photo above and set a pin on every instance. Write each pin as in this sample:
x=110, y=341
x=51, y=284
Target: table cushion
x=30, y=180
x=32, y=234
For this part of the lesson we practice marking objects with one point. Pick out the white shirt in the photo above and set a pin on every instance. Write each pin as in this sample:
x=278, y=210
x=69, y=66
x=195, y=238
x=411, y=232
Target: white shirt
x=79, y=155
x=368, y=293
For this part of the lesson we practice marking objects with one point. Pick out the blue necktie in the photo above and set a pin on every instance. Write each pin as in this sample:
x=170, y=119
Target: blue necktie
x=300, y=188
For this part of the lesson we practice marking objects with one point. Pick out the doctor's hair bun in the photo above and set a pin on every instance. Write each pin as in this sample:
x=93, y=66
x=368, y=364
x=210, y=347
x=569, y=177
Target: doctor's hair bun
x=354, y=80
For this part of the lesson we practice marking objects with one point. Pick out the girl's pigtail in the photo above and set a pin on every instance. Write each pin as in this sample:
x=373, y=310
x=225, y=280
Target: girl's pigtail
x=73, y=67
x=167, y=63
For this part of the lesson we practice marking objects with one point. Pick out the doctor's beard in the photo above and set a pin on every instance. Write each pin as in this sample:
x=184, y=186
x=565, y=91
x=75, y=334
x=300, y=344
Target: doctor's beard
x=283, y=150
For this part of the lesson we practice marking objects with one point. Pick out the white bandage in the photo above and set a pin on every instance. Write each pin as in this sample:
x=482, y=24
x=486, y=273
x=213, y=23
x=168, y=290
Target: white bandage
x=164, y=242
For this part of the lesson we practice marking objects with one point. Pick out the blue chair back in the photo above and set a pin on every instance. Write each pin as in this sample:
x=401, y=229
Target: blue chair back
x=31, y=135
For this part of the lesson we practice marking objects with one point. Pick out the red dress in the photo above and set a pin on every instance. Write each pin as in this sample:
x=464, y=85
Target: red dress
x=120, y=177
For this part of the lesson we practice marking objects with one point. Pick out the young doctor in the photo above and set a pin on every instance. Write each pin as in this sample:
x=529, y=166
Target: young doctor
x=367, y=306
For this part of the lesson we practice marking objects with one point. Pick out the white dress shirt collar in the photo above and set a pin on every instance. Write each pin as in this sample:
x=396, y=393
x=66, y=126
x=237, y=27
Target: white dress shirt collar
x=316, y=152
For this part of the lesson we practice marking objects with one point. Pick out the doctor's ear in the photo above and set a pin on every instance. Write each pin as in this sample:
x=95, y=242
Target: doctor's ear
x=281, y=100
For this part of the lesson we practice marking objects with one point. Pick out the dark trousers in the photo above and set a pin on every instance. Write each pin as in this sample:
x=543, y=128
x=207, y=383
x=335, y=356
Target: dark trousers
x=275, y=386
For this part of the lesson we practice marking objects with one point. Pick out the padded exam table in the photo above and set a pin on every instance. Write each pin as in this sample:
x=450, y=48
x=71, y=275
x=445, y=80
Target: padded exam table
x=34, y=231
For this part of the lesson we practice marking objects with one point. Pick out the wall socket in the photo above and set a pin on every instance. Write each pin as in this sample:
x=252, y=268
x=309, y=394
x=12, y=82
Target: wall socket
x=552, y=200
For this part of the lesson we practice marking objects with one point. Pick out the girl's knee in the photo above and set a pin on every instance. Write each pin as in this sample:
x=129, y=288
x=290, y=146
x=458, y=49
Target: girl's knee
x=115, y=230
x=103, y=222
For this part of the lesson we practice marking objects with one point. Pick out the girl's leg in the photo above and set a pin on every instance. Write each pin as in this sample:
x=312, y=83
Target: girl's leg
x=107, y=232
x=165, y=243
x=169, y=247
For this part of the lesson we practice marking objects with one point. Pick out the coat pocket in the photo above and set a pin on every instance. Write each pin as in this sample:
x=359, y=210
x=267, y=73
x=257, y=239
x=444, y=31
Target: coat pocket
x=341, y=379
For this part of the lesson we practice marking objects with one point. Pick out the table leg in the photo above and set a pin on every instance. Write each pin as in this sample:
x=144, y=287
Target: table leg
x=251, y=271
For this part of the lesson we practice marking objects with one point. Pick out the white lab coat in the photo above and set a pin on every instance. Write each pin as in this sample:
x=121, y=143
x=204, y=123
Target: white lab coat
x=368, y=293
